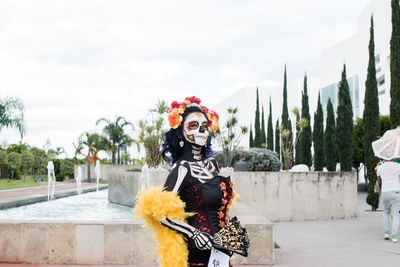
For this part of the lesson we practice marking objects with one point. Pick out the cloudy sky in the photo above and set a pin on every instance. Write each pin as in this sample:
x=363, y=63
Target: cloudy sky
x=72, y=62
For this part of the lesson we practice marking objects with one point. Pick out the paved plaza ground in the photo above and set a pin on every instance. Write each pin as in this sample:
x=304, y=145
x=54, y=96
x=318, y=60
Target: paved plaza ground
x=351, y=242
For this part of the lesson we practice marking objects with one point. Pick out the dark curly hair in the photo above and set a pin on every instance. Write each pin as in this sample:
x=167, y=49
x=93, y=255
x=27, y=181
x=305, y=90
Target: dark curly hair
x=174, y=136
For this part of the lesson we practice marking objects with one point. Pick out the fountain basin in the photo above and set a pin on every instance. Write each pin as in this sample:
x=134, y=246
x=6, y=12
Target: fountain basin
x=105, y=233
x=25, y=196
x=109, y=242
x=91, y=206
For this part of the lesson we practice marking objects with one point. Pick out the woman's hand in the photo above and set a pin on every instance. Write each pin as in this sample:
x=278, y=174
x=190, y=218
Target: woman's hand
x=202, y=240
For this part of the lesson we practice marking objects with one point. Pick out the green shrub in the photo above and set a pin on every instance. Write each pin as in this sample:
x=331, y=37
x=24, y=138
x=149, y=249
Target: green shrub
x=259, y=159
x=219, y=157
x=77, y=161
x=362, y=187
x=67, y=169
x=57, y=169
x=134, y=170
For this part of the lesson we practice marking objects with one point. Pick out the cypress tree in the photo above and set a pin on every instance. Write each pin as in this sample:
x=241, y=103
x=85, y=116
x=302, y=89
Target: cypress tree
x=257, y=128
x=285, y=112
x=371, y=121
x=318, y=137
x=305, y=136
x=344, y=127
x=263, y=136
x=270, y=135
x=285, y=120
x=297, y=150
x=395, y=66
x=290, y=146
x=251, y=140
x=277, y=139
x=329, y=138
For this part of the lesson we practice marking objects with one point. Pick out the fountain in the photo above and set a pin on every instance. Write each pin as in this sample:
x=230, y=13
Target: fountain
x=51, y=181
x=79, y=181
x=87, y=229
x=98, y=172
x=144, y=181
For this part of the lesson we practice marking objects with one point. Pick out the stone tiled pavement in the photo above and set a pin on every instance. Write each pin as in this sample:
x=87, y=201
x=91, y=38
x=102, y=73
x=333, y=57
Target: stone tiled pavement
x=353, y=242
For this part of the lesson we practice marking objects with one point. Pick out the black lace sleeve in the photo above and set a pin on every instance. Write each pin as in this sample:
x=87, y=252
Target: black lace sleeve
x=215, y=162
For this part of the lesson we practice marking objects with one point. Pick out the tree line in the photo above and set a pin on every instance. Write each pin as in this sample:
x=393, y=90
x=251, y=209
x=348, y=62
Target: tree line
x=342, y=140
x=18, y=161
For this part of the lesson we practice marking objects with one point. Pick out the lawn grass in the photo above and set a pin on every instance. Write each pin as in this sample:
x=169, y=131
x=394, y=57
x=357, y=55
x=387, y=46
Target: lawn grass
x=12, y=184
x=30, y=182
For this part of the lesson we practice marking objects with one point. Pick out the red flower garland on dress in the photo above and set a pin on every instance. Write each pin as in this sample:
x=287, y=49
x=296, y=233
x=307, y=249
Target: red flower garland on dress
x=228, y=195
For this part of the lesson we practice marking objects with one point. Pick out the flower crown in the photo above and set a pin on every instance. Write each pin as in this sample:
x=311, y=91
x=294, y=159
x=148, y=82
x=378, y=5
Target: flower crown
x=176, y=110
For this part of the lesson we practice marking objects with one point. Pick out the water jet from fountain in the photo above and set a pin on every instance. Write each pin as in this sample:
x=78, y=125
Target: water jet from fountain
x=98, y=172
x=79, y=181
x=51, y=181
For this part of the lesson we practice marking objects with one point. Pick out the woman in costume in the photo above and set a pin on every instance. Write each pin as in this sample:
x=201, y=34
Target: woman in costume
x=195, y=176
x=204, y=197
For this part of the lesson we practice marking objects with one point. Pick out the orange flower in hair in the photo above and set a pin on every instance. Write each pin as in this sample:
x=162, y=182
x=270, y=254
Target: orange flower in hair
x=214, y=125
x=174, y=119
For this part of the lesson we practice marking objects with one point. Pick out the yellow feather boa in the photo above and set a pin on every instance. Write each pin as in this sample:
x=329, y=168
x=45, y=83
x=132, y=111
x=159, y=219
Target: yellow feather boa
x=153, y=205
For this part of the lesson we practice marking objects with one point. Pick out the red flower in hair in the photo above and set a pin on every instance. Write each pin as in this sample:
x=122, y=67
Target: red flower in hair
x=175, y=104
x=214, y=114
x=194, y=99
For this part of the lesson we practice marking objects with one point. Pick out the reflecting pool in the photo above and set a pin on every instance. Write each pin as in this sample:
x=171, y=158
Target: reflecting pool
x=92, y=206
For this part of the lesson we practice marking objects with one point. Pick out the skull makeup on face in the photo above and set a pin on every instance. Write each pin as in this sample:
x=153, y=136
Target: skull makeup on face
x=195, y=128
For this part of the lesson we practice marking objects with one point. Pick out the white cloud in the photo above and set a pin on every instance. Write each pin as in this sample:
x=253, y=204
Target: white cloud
x=72, y=62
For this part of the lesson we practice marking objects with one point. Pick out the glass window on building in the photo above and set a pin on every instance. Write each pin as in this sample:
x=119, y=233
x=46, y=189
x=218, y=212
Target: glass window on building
x=331, y=91
x=356, y=104
x=377, y=59
x=381, y=80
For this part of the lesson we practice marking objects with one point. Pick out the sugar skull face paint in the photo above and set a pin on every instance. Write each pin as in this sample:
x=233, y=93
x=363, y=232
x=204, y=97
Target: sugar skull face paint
x=195, y=129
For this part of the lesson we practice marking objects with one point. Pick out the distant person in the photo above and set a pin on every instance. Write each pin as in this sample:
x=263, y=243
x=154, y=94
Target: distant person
x=389, y=175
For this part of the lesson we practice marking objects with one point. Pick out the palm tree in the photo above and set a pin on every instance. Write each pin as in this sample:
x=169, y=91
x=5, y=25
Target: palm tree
x=151, y=134
x=55, y=153
x=93, y=143
x=12, y=114
x=115, y=136
x=125, y=142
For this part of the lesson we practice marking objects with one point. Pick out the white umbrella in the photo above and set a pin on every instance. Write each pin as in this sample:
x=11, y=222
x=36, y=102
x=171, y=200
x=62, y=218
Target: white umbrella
x=388, y=146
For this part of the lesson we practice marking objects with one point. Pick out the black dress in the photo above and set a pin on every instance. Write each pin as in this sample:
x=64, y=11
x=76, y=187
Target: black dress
x=208, y=198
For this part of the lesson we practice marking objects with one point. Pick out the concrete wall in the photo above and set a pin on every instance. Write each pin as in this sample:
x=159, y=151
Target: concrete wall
x=106, y=170
x=103, y=243
x=289, y=196
x=278, y=196
x=123, y=186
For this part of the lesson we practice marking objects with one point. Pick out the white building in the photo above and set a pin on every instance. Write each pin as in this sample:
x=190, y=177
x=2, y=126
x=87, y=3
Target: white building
x=354, y=53
x=245, y=100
